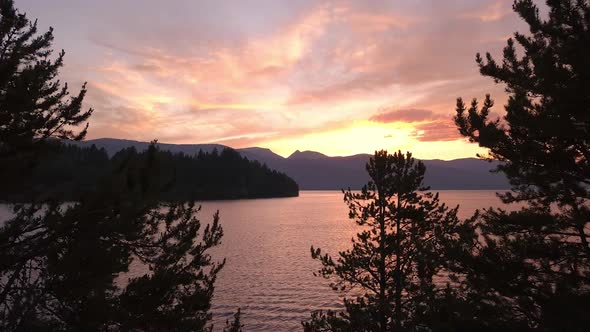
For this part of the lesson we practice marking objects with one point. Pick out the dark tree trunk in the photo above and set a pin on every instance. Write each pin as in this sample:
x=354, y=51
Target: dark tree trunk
x=398, y=274
x=382, y=274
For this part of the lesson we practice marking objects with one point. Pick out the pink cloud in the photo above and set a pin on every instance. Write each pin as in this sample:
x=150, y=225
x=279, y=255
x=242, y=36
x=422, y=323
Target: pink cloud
x=490, y=12
x=440, y=130
x=428, y=126
x=404, y=115
x=248, y=73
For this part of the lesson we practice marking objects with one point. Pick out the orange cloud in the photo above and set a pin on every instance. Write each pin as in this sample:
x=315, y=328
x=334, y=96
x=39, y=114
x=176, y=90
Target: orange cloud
x=437, y=131
x=428, y=126
x=279, y=74
x=404, y=115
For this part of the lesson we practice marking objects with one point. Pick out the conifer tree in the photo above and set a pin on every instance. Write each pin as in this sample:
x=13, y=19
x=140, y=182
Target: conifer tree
x=533, y=266
x=397, y=254
x=34, y=105
x=64, y=267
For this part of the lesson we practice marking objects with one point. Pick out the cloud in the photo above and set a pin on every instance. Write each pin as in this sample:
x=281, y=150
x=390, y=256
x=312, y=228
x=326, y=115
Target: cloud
x=428, y=126
x=253, y=72
x=406, y=115
x=430, y=46
x=490, y=12
x=440, y=130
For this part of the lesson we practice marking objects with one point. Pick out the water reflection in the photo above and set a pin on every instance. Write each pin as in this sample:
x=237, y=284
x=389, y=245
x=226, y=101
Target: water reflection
x=269, y=271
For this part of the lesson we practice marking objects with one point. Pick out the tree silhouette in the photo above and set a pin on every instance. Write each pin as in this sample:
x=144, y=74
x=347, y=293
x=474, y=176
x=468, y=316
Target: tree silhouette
x=34, y=105
x=70, y=171
x=395, y=257
x=65, y=266
x=533, y=266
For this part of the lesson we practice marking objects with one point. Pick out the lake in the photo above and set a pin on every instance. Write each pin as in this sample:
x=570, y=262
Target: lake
x=269, y=270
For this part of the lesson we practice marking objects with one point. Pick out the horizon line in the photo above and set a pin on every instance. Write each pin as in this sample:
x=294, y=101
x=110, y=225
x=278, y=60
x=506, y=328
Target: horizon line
x=260, y=147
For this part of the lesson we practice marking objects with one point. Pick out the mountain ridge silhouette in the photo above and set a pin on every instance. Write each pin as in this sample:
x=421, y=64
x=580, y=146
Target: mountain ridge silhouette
x=315, y=171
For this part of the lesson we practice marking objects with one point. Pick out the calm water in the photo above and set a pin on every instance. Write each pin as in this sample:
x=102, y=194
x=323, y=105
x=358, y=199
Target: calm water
x=269, y=271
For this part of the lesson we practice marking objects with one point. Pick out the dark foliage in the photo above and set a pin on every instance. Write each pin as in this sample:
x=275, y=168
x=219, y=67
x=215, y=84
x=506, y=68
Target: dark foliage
x=34, y=105
x=65, y=266
x=224, y=175
x=69, y=172
x=532, y=267
x=397, y=255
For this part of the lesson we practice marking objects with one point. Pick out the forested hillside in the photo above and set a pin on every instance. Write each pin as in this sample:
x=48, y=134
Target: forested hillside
x=315, y=171
x=68, y=171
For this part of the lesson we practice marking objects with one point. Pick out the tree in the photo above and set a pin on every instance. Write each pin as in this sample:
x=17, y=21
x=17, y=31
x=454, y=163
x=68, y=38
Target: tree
x=395, y=257
x=69, y=171
x=537, y=260
x=64, y=266
x=34, y=106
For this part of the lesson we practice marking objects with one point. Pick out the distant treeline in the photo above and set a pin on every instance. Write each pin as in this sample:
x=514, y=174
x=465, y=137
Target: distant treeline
x=67, y=172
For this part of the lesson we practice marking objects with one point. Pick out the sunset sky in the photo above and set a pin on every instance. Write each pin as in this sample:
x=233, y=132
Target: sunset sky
x=338, y=77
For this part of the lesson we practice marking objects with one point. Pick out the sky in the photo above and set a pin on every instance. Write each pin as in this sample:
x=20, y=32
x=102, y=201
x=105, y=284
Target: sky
x=337, y=77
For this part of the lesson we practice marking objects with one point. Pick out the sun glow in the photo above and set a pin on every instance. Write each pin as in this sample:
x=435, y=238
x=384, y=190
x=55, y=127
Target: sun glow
x=359, y=137
x=313, y=82
x=366, y=137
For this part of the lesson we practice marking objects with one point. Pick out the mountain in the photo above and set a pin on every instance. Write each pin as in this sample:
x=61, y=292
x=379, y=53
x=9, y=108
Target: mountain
x=306, y=155
x=316, y=171
x=72, y=171
x=328, y=173
x=114, y=145
x=260, y=154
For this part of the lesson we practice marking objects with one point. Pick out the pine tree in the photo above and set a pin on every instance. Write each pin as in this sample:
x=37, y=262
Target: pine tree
x=64, y=266
x=395, y=257
x=34, y=105
x=533, y=266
